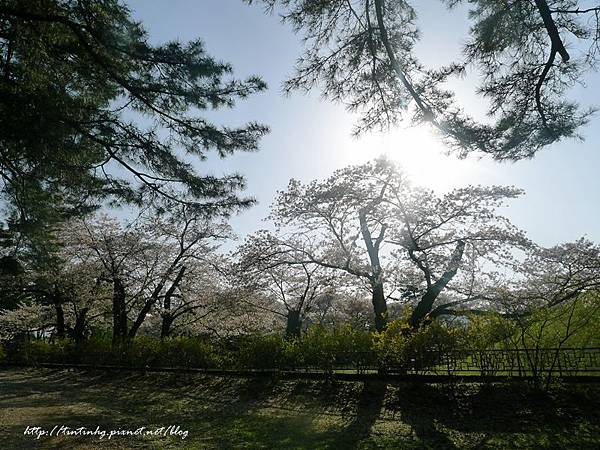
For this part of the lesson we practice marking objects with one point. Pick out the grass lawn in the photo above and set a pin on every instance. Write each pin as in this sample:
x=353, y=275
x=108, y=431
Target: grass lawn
x=238, y=413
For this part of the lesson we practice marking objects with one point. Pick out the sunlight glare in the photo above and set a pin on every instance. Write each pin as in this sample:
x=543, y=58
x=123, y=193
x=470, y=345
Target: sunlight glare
x=419, y=153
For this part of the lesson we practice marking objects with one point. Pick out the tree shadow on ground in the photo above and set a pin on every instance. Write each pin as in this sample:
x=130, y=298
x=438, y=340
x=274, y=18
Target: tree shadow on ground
x=480, y=414
x=422, y=408
x=368, y=409
x=242, y=413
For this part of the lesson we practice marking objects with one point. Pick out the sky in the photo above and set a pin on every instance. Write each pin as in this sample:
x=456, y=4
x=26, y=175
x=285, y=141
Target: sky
x=311, y=137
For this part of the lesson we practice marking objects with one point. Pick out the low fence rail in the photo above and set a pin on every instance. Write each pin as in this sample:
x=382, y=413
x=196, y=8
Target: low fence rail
x=520, y=362
x=496, y=362
x=540, y=363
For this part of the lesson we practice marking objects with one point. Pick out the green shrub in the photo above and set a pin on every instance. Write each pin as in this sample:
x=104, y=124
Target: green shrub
x=42, y=351
x=318, y=348
x=490, y=331
x=326, y=348
x=187, y=352
x=259, y=352
x=571, y=324
x=142, y=351
x=419, y=349
x=97, y=350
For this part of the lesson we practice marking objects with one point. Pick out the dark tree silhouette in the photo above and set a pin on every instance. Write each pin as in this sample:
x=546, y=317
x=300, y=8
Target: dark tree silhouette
x=362, y=53
x=89, y=110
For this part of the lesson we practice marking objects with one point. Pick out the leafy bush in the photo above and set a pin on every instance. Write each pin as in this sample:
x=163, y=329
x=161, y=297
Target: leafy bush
x=490, y=331
x=142, y=351
x=326, y=348
x=97, y=350
x=407, y=348
x=259, y=352
x=571, y=324
x=187, y=352
x=40, y=351
x=320, y=348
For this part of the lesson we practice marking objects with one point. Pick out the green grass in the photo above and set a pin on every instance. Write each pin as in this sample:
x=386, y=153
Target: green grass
x=239, y=413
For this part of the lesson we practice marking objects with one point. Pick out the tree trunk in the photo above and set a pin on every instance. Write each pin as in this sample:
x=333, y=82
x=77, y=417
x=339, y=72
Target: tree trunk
x=152, y=300
x=165, y=329
x=140, y=318
x=376, y=279
x=379, y=306
x=423, y=308
x=80, y=324
x=294, y=324
x=60, y=319
x=425, y=305
x=167, y=318
x=119, y=312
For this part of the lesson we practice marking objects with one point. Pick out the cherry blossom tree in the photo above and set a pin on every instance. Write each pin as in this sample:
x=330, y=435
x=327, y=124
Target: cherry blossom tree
x=183, y=240
x=450, y=241
x=292, y=284
x=369, y=222
x=26, y=318
x=342, y=223
x=144, y=262
x=198, y=299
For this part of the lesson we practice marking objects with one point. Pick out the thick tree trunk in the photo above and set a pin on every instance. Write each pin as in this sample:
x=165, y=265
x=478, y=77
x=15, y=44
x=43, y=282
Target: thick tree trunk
x=376, y=279
x=425, y=305
x=165, y=328
x=80, y=324
x=294, y=324
x=167, y=318
x=379, y=305
x=60, y=319
x=119, y=312
x=423, y=308
x=140, y=318
x=152, y=301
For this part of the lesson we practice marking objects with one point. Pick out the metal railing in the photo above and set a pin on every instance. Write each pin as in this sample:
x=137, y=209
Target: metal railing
x=494, y=362
x=536, y=363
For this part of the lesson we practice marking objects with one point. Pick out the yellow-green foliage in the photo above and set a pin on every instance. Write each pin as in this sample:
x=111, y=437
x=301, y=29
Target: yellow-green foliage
x=40, y=351
x=146, y=351
x=97, y=350
x=573, y=324
x=325, y=347
x=187, y=352
x=2, y=353
x=400, y=344
x=259, y=351
x=489, y=331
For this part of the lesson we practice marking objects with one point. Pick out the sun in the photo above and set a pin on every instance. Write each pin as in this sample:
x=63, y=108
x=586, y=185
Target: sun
x=420, y=153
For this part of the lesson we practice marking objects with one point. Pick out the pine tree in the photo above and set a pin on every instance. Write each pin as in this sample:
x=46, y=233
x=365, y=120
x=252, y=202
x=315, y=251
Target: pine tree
x=91, y=112
x=362, y=53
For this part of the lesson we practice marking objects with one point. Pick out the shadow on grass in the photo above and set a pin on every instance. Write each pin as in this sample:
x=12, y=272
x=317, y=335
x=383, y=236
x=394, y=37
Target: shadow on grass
x=498, y=416
x=368, y=410
x=264, y=413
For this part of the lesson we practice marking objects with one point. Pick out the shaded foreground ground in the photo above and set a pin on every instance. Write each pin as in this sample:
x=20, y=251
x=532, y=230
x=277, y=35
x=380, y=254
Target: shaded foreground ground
x=238, y=413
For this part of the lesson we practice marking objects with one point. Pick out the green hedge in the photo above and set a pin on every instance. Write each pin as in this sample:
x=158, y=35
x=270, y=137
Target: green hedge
x=320, y=348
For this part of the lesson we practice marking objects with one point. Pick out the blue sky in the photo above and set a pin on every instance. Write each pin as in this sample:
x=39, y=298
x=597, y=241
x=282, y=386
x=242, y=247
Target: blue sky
x=310, y=137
